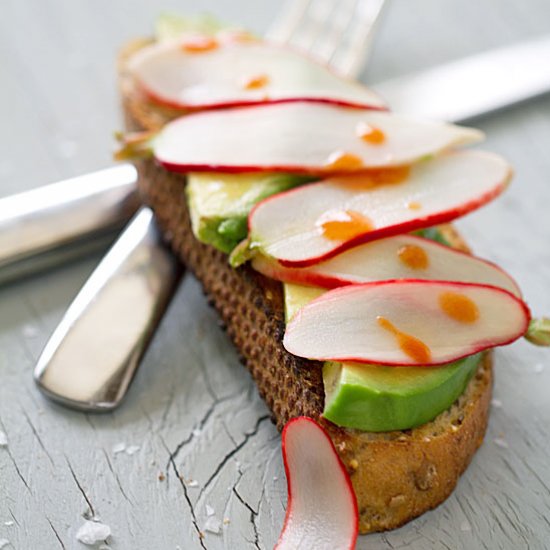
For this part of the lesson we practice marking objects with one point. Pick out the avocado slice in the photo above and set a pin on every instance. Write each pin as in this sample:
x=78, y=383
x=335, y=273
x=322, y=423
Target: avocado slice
x=377, y=398
x=219, y=203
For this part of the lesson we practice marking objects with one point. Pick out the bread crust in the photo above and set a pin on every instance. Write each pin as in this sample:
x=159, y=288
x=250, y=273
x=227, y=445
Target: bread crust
x=396, y=475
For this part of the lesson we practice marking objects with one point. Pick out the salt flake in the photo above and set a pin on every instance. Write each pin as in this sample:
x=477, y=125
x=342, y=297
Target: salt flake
x=500, y=442
x=196, y=432
x=539, y=367
x=132, y=449
x=209, y=510
x=497, y=403
x=465, y=526
x=8, y=523
x=3, y=439
x=93, y=532
x=213, y=525
x=193, y=483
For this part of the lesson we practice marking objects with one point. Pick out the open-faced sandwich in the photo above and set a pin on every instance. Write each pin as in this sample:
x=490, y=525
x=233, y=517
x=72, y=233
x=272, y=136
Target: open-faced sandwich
x=312, y=216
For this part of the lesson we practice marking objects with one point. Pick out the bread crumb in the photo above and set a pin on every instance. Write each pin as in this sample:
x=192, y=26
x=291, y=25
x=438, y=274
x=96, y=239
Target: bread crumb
x=162, y=477
x=226, y=521
x=353, y=464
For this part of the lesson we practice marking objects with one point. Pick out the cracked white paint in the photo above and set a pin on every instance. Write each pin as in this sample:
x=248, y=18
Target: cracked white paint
x=191, y=392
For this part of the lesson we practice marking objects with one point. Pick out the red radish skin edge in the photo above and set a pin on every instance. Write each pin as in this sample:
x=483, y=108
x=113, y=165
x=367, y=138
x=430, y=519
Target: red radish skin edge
x=330, y=282
x=320, y=171
x=480, y=346
x=196, y=107
x=243, y=103
x=406, y=227
x=288, y=426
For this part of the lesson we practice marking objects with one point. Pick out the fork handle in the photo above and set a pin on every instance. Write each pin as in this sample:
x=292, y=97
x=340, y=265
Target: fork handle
x=91, y=357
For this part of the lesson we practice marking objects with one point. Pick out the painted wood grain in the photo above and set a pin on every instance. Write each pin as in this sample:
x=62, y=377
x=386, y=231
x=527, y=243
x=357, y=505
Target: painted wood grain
x=193, y=438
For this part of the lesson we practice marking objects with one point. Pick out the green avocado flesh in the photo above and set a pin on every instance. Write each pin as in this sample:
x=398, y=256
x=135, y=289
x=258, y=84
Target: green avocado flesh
x=219, y=203
x=375, y=398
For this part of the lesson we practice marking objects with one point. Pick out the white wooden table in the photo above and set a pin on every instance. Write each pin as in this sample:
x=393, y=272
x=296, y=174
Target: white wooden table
x=192, y=412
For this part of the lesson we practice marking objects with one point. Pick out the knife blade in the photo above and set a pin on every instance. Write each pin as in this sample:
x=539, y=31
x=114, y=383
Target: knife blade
x=475, y=85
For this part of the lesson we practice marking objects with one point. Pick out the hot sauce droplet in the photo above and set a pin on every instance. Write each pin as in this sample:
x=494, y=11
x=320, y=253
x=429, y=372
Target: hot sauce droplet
x=346, y=226
x=459, y=307
x=374, y=177
x=370, y=134
x=417, y=350
x=340, y=160
x=199, y=44
x=413, y=256
x=256, y=82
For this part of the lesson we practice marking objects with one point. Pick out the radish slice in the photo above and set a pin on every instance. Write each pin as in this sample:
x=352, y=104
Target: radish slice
x=408, y=322
x=400, y=257
x=227, y=73
x=322, y=508
x=300, y=137
x=292, y=227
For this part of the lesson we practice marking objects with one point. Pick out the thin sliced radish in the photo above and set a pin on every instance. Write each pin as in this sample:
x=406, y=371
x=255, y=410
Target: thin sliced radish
x=291, y=227
x=407, y=322
x=227, y=73
x=322, y=508
x=400, y=257
x=300, y=137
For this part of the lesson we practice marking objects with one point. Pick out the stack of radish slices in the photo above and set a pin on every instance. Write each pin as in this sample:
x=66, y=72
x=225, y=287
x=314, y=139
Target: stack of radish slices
x=390, y=298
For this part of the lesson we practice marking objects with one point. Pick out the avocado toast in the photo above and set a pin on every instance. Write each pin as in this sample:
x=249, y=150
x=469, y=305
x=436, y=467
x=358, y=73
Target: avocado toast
x=396, y=474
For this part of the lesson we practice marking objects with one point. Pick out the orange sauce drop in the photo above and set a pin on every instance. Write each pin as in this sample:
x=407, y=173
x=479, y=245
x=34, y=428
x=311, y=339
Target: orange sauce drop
x=256, y=82
x=200, y=44
x=417, y=350
x=340, y=160
x=370, y=134
x=413, y=256
x=459, y=307
x=376, y=176
x=346, y=226
x=414, y=205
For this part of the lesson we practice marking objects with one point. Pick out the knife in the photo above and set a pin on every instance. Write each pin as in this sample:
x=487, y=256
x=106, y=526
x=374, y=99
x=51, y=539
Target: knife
x=453, y=92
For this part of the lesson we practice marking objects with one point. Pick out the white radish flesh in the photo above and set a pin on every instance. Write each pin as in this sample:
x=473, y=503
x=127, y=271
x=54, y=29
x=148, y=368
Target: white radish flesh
x=409, y=322
x=229, y=73
x=300, y=137
x=400, y=257
x=290, y=227
x=322, y=509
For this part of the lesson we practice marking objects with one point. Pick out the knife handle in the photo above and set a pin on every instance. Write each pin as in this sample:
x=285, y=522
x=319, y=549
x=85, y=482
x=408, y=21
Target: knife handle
x=45, y=226
x=91, y=357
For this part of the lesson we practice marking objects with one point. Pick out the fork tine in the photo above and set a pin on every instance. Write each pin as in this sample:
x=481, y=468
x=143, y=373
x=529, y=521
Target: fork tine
x=351, y=57
x=343, y=17
x=287, y=21
x=317, y=17
x=335, y=32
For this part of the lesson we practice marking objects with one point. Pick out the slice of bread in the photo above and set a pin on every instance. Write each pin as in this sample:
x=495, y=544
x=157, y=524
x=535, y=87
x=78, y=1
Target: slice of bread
x=396, y=475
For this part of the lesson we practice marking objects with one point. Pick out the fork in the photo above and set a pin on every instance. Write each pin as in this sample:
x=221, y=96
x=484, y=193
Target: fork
x=91, y=357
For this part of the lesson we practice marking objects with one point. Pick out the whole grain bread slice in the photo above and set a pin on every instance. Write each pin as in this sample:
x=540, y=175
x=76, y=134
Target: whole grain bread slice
x=396, y=475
